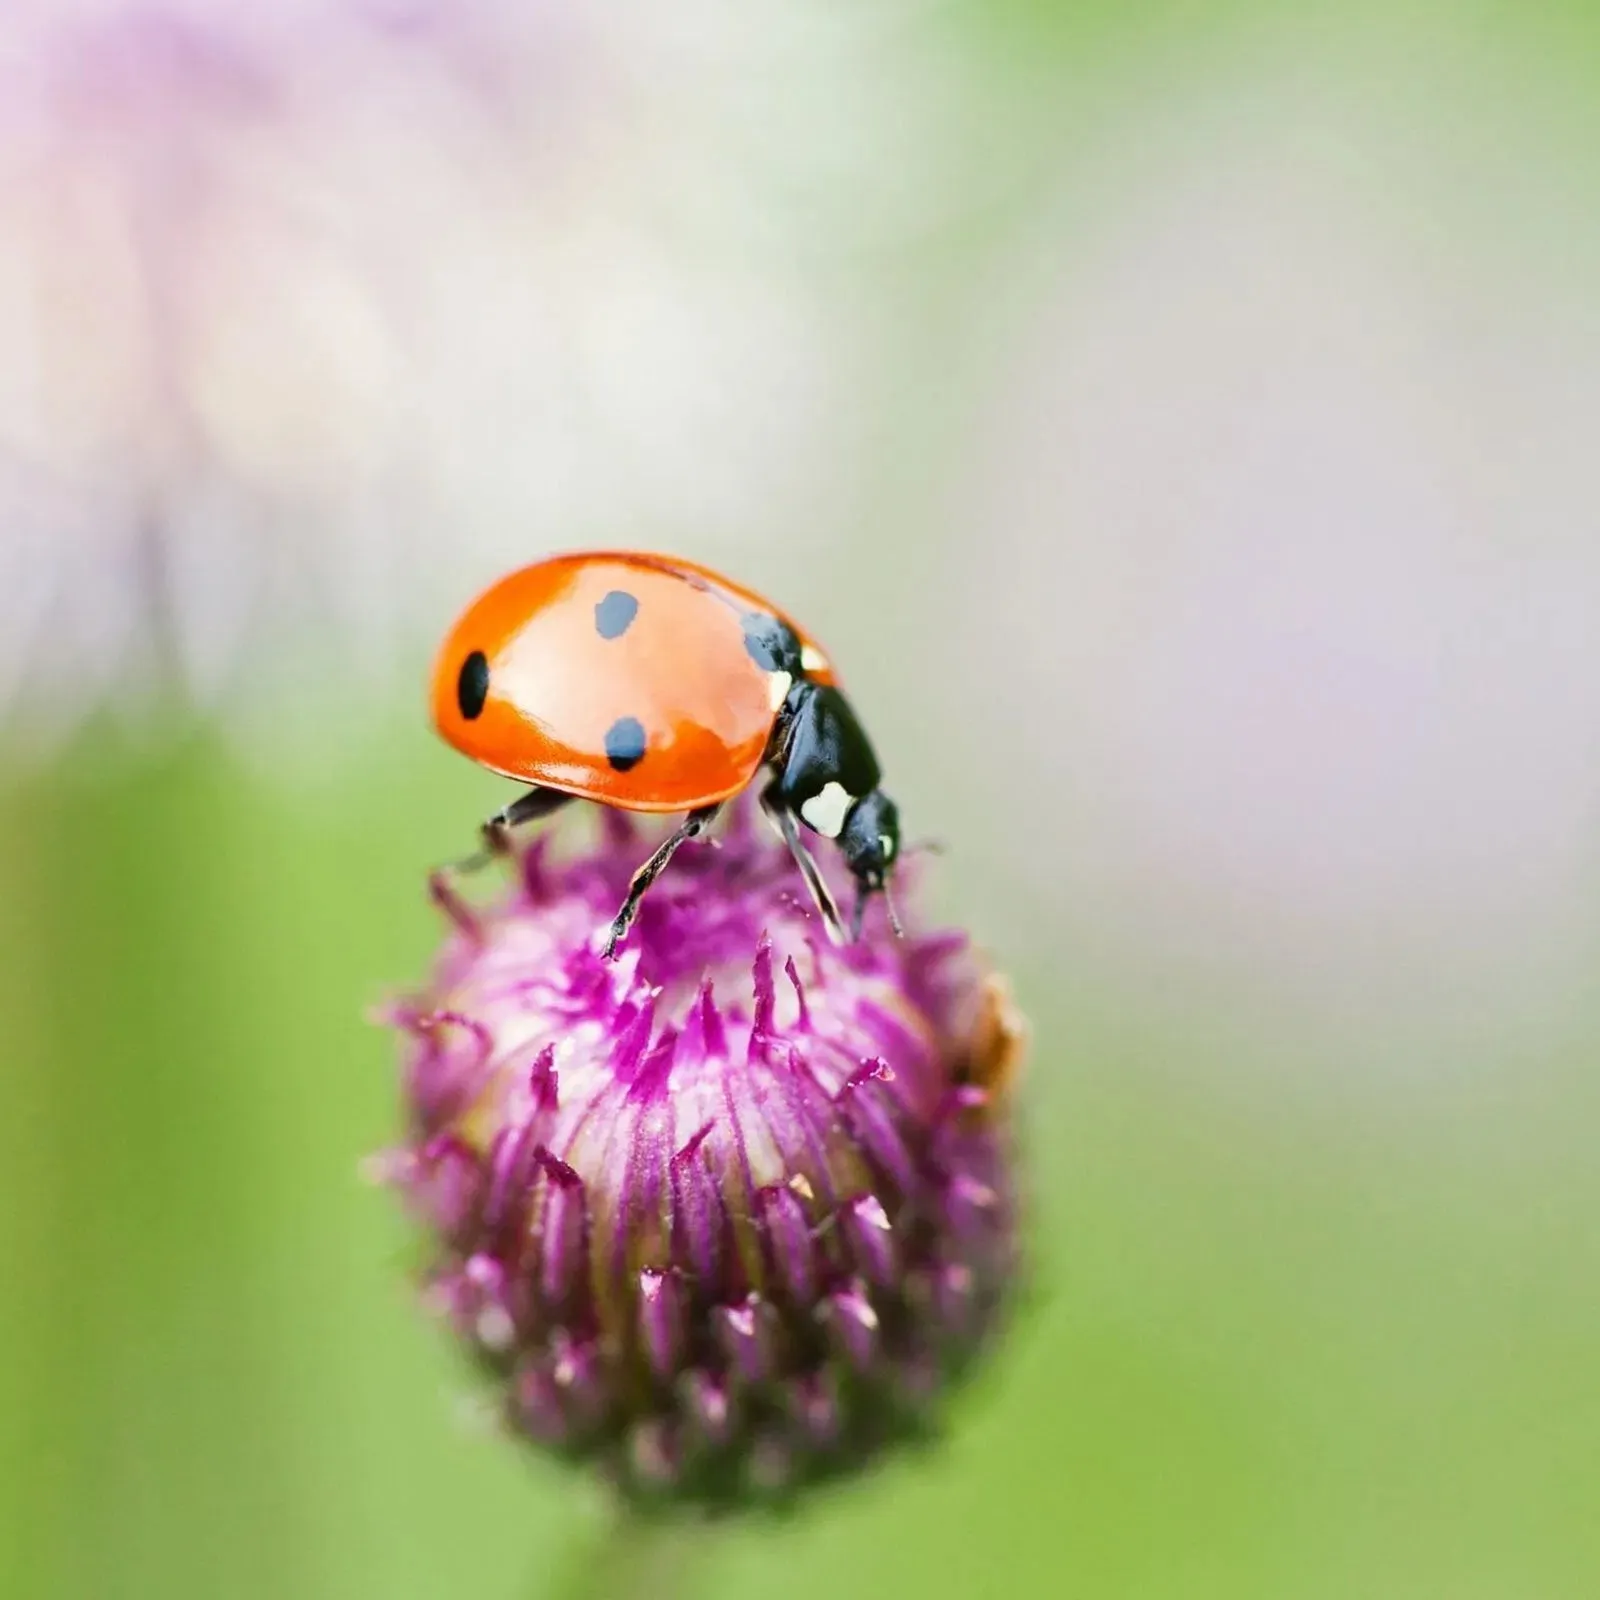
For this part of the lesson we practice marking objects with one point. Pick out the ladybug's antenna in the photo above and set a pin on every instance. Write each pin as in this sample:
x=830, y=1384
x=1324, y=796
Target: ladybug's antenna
x=894, y=916
x=861, y=910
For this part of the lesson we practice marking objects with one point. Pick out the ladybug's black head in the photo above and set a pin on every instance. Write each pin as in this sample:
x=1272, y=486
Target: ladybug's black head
x=870, y=841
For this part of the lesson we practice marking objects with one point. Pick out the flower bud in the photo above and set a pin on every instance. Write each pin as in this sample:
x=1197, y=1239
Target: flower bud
x=726, y=1215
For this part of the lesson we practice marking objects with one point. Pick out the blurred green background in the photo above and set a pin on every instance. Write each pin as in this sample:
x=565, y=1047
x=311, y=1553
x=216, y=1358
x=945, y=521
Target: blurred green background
x=1316, y=1209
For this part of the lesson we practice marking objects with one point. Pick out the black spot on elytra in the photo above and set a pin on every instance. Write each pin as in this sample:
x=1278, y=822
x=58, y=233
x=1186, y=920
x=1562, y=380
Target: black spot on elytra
x=614, y=612
x=625, y=743
x=472, y=687
x=772, y=646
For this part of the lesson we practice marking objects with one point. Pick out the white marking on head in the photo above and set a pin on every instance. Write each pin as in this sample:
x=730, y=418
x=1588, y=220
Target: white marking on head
x=886, y=847
x=826, y=811
x=778, y=686
x=812, y=659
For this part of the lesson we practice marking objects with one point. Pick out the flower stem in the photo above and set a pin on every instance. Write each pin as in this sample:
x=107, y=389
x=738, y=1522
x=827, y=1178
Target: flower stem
x=625, y=1556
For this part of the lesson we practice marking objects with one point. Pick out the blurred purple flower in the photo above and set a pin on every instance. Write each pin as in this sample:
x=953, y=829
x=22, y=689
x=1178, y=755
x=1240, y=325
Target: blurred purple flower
x=310, y=313
x=725, y=1216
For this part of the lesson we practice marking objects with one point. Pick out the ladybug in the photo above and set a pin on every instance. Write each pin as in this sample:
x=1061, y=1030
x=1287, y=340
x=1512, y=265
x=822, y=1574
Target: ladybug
x=656, y=685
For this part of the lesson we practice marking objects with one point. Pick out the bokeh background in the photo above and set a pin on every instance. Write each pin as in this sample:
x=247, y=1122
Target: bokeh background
x=1182, y=422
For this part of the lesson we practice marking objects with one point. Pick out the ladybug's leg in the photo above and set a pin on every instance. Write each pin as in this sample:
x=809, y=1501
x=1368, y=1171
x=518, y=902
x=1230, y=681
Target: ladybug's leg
x=496, y=832
x=692, y=825
x=529, y=807
x=783, y=820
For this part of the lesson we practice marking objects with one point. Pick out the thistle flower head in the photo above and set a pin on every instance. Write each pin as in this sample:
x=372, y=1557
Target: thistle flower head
x=723, y=1216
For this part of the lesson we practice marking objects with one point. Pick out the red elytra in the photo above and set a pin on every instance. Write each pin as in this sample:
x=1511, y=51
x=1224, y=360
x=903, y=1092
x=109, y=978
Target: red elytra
x=567, y=662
